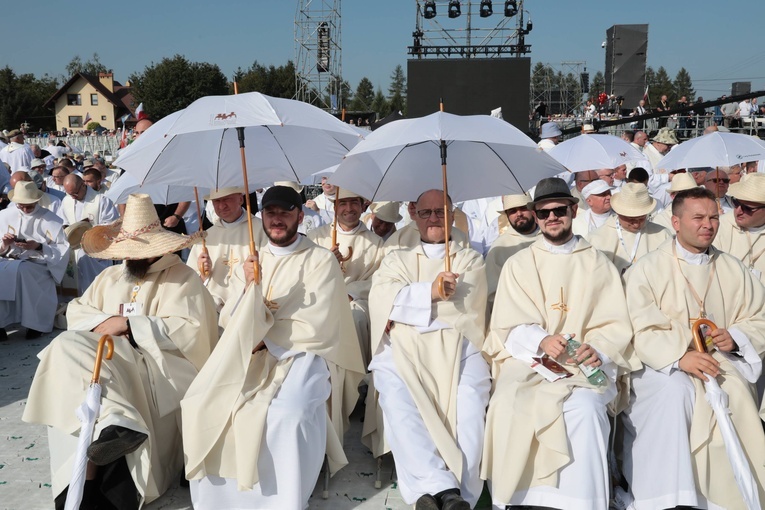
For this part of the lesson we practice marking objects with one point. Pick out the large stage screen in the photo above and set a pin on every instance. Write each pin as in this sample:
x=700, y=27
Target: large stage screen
x=470, y=87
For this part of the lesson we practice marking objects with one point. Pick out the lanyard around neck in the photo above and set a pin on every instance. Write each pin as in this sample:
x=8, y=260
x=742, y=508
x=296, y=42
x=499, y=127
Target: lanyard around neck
x=699, y=300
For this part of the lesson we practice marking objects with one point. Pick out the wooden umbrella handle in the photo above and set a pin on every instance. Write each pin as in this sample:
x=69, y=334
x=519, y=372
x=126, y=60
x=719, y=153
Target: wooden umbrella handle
x=699, y=342
x=205, y=274
x=109, y=342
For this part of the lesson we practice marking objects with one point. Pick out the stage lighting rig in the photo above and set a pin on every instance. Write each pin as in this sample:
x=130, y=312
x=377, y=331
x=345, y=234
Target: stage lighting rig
x=454, y=9
x=511, y=8
x=486, y=9
x=429, y=11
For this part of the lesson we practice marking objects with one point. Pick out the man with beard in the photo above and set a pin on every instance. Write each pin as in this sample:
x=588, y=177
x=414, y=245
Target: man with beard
x=277, y=391
x=546, y=442
x=674, y=454
x=521, y=232
x=433, y=399
x=163, y=324
x=33, y=258
x=364, y=248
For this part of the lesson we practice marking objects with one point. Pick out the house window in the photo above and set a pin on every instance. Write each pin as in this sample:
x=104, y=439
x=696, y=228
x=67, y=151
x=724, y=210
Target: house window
x=73, y=100
x=94, y=99
x=75, y=121
x=103, y=117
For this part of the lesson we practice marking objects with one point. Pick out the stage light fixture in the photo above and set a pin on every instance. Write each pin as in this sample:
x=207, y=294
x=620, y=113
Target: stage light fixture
x=511, y=8
x=454, y=9
x=486, y=9
x=429, y=12
x=529, y=26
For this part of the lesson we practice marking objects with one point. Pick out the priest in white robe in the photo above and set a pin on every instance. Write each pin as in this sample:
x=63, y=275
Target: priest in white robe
x=16, y=154
x=33, y=258
x=324, y=204
x=82, y=203
x=547, y=441
x=277, y=392
x=47, y=201
x=597, y=195
x=358, y=252
x=674, y=454
x=718, y=182
x=163, y=324
x=680, y=183
x=433, y=383
x=383, y=218
x=628, y=235
x=228, y=245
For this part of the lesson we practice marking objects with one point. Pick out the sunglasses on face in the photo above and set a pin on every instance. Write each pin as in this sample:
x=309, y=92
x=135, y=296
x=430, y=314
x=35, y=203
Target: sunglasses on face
x=426, y=213
x=559, y=212
x=745, y=208
x=721, y=181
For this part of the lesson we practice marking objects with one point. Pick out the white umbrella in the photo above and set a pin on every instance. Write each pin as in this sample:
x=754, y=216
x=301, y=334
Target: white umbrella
x=594, y=152
x=159, y=193
x=713, y=150
x=87, y=413
x=718, y=400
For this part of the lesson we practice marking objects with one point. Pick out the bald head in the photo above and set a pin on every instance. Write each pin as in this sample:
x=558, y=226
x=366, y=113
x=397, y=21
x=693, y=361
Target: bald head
x=141, y=126
x=19, y=177
x=74, y=186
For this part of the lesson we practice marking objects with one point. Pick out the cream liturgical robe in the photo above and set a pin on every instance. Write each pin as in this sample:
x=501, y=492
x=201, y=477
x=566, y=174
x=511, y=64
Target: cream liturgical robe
x=623, y=247
x=408, y=237
x=663, y=218
x=142, y=388
x=504, y=247
x=747, y=245
x=228, y=245
x=225, y=409
x=689, y=456
x=527, y=443
x=586, y=222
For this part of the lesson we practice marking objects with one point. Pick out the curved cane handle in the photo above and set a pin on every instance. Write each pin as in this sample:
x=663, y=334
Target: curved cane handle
x=347, y=257
x=441, y=288
x=104, y=340
x=205, y=273
x=699, y=342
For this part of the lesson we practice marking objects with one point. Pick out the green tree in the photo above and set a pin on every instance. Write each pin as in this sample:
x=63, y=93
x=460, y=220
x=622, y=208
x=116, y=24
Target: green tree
x=397, y=91
x=272, y=81
x=92, y=126
x=380, y=104
x=92, y=67
x=683, y=85
x=22, y=98
x=174, y=83
x=660, y=85
x=597, y=85
x=364, y=96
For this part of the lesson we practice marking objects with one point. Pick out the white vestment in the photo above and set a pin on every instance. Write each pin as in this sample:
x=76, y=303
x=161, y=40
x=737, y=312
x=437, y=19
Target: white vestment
x=17, y=155
x=29, y=277
x=588, y=221
x=623, y=247
x=326, y=205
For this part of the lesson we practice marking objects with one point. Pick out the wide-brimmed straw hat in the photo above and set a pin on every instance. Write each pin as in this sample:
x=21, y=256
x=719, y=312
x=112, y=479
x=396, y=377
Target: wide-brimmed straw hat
x=682, y=182
x=346, y=193
x=666, y=136
x=387, y=211
x=223, y=192
x=25, y=192
x=514, y=201
x=75, y=231
x=751, y=189
x=633, y=201
x=138, y=235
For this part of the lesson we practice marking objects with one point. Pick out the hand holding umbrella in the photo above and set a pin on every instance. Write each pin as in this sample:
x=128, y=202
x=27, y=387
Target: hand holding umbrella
x=341, y=258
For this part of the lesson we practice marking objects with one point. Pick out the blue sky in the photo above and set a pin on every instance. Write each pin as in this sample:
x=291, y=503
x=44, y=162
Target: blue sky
x=718, y=42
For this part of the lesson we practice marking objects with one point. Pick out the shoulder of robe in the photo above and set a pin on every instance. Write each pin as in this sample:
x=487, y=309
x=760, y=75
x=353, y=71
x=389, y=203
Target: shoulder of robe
x=319, y=232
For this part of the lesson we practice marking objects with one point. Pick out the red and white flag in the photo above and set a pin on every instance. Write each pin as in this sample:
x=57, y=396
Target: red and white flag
x=139, y=113
x=645, y=94
x=88, y=118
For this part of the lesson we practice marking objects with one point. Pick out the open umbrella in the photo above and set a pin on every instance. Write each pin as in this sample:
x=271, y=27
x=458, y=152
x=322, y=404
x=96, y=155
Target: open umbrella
x=718, y=400
x=594, y=152
x=87, y=413
x=713, y=150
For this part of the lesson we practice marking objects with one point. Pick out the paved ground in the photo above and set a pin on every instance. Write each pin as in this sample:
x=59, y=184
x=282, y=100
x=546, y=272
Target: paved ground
x=24, y=461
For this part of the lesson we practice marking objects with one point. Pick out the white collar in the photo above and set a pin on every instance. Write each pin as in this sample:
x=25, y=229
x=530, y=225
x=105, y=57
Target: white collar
x=603, y=216
x=348, y=232
x=434, y=251
x=242, y=217
x=694, y=259
x=562, y=249
x=282, y=251
x=755, y=230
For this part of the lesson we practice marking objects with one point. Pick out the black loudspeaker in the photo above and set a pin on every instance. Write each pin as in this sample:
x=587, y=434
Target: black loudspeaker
x=626, y=49
x=741, y=87
x=470, y=87
x=322, y=57
x=584, y=79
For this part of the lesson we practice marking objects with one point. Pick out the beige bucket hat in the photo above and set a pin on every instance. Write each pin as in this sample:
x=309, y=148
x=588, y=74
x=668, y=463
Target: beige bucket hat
x=751, y=189
x=387, y=211
x=514, y=201
x=682, y=182
x=138, y=235
x=224, y=192
x=633, y=201
x=346, y=193
x=25, y=192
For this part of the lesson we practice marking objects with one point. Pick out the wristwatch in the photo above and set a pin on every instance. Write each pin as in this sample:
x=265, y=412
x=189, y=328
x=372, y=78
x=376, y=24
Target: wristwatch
x=180, y=218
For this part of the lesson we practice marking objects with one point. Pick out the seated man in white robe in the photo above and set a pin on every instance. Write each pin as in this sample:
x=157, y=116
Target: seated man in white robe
x=277, y=392
x=47, y=201
x=718, y=181
x=681, y=182
x=33, y=258
x=628, y=235
x=383, y=218
x=228, y=245
x=54, y=184
x=163, y=324
x=82, y=203
x=324, y=204
x=597, y=195
x=427, y=332
x=17, y=153
x=547, y=439
x=674, y=453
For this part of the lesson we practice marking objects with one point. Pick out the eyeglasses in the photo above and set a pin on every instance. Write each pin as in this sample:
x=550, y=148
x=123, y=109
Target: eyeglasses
x=745, y=208
x=721, y=181
x=559, y=212
x=426, y=213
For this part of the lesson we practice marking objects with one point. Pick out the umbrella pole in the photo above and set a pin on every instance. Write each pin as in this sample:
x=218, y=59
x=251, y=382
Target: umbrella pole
x=202, y=271
x=253, y=251
x=334, y=233
x=447, y=226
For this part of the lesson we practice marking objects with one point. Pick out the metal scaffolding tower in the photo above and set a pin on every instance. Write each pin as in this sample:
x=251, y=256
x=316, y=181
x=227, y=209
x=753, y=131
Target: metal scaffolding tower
x=559, y=87
x=318, y=53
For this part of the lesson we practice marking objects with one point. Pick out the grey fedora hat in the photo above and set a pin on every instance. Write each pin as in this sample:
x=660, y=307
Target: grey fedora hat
x=552, y=188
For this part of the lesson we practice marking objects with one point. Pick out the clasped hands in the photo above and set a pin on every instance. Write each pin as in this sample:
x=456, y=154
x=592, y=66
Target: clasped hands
x=555, y=345
x=701, y=364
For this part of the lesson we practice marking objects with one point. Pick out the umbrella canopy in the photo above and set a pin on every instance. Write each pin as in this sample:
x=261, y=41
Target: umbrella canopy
x=485, y=157
x=714, y=149
x=159, y=193
x=594, y=152
x=199, y=146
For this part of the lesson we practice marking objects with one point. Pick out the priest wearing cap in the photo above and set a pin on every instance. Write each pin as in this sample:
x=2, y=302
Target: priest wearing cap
x=33, y=257
x=311, y=219
x=228, y=245
x=163, y=323
x=681, y=182
x=628, y=235
x=550, y=136
x=358, y=252
x=432, y=381
x=674, y=453
x=276, y=393
x=546, y=441
x=597, y=194
x=521, y=231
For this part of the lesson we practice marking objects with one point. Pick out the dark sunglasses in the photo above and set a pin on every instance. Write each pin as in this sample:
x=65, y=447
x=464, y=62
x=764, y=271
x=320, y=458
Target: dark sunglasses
x=745, y=208
x=722, y=181
x=559, y=212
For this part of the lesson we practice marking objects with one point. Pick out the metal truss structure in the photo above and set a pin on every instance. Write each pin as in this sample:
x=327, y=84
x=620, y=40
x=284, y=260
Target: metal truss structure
x=318, y=53
x=559, y=86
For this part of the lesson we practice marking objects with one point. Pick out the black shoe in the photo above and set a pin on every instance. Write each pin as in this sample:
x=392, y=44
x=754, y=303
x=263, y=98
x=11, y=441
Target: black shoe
x=426, y=502
x=113, y=443
x=32, y=334
x=451, y=500
x=3, y=335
